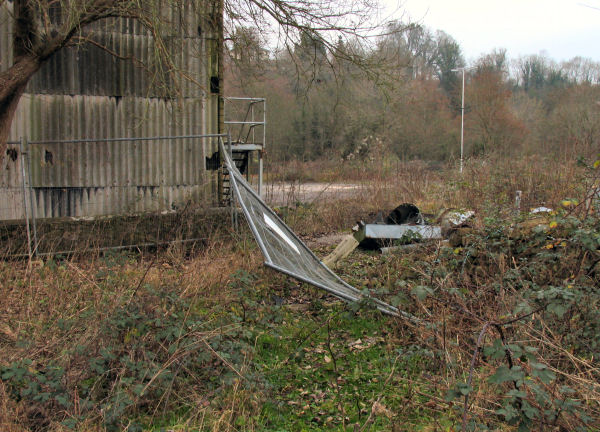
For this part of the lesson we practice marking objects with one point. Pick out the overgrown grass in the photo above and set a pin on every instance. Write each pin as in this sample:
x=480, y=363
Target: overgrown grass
x=166, y=340
x=127, y=343
x=487, y=185
x=345, y=369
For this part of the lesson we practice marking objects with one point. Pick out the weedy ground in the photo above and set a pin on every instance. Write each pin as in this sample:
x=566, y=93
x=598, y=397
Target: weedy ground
x=505, y=336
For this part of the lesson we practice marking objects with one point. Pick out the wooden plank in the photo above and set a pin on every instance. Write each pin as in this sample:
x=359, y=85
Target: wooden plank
x=345, y=248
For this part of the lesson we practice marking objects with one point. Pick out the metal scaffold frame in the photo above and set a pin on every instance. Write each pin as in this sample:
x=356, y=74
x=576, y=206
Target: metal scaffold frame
x=248, y=140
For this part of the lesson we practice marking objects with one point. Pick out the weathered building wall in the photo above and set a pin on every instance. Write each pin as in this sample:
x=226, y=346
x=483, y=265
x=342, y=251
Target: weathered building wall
x=84, y=92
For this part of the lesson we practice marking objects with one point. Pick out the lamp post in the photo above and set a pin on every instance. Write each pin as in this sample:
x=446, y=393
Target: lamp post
x=462, y=116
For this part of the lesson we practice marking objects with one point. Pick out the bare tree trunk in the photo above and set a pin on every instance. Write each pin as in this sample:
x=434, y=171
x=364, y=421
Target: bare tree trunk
x=12, y=85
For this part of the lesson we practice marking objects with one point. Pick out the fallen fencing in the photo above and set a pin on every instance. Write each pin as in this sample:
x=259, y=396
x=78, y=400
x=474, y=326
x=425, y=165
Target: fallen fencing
x=285, y=252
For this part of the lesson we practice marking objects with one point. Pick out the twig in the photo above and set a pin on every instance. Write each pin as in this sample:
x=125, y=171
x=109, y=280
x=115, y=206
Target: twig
x=229, y=365
x=369, y=419
x=141, y=280
x=471, y=369
x=329, y=347
x=519, y=318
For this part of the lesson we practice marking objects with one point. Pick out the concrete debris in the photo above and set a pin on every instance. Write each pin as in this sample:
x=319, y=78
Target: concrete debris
x=451, y=219
x=343, y=249
x=458, y=218
x=456, y=225
x=524, y=229
x=401, y=232
x=402, y=229
x=460, y=237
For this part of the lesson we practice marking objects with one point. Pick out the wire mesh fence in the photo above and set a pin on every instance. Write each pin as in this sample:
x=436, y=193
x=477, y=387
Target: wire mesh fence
x=66, y=196
x=283, y=250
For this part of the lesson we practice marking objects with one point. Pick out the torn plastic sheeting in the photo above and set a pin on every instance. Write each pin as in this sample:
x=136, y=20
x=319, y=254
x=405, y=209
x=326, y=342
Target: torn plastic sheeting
x=285, y=252
x=405, y=213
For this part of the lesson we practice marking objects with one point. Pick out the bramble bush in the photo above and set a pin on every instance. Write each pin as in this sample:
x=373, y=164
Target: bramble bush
x=524, y=296
x=152, y=354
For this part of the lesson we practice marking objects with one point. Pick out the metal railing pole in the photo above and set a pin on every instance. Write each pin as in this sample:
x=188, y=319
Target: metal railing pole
x=25, y=198
x=32, y=203
x=260, y=173
x=260, y=152
x=462, y=122
x=252, y=120
x=232, y=205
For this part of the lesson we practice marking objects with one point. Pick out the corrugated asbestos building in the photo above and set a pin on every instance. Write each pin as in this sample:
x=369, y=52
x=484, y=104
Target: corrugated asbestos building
x=85, y=94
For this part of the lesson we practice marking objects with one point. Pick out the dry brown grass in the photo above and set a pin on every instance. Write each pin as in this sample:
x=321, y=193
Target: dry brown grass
x=10, y=412
x=35, y=296
x=42, y=291
x=487, y=185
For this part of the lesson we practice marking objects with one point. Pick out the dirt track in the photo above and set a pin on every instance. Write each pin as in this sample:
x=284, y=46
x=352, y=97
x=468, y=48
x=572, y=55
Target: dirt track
x=290, y=193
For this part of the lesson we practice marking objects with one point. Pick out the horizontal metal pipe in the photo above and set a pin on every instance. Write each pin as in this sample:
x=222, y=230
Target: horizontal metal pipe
x=132, y=246
x=255, y=123
x=92, y=140
x=245, y=99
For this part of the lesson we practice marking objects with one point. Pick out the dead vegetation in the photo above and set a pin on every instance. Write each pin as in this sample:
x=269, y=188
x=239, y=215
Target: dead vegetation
x=507, y=335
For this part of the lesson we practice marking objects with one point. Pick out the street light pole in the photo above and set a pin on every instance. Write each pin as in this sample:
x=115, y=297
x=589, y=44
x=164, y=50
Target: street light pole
x=462, y=118
x=462, y=122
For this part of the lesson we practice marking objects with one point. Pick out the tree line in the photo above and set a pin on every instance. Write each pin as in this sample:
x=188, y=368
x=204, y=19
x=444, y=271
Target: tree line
x=395, y=92
x=402, y=95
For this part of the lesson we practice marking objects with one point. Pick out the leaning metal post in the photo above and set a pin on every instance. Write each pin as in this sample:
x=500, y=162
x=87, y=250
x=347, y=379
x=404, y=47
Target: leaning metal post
x=25, y=204
x=31, y=199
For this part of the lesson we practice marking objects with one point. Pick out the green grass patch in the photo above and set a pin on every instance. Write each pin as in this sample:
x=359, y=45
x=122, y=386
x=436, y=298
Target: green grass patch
x=337, y=370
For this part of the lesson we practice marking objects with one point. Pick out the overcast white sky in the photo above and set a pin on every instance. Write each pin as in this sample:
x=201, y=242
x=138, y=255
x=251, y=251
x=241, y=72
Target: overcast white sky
x=562, y=29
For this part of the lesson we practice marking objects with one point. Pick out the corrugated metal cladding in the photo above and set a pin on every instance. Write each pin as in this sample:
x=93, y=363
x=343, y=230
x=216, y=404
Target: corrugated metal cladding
x=6, y=52
x=86, y=93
